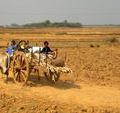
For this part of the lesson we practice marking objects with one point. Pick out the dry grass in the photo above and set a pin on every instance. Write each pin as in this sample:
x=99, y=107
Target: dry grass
x=100, y=61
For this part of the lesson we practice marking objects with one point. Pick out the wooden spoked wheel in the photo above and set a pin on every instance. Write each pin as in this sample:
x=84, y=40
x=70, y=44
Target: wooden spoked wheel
x=20, y=68
x=52, y=76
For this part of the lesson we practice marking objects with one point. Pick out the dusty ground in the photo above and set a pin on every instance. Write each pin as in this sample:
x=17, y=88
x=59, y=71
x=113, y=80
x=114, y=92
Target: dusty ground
x=93, y=87
x=64, y=97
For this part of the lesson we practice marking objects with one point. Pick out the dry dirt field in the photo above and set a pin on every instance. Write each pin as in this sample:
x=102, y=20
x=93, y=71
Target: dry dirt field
x=94, y=85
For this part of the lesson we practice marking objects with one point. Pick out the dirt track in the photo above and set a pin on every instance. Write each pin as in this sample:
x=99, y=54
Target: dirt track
x=64, y=97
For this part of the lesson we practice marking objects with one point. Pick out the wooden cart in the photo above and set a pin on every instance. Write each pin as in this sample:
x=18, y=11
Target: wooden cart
x=21, y=68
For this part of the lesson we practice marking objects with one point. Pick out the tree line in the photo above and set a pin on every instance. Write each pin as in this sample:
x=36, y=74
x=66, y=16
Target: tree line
x=46, y=23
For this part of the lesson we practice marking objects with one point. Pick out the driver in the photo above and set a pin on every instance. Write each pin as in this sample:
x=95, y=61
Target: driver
x=47, y=52
x=46, y=49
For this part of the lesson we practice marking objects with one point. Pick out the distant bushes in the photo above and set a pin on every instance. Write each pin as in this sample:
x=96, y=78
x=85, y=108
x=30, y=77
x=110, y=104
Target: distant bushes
x=92, y=45
x=114, y=40
x=61, y=33
x=46, y=23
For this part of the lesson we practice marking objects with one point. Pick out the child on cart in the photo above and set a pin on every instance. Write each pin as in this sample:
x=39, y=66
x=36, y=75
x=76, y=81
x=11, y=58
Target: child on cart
x=47, y=51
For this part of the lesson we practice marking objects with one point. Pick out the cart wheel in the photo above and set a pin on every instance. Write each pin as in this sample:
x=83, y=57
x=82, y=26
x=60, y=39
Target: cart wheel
x=20, y=68
x=52, y=76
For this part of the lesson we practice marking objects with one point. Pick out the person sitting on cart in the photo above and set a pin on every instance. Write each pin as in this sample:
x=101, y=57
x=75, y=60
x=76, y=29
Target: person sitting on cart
x=10, y=49
x=23, y=46
x=47, y=50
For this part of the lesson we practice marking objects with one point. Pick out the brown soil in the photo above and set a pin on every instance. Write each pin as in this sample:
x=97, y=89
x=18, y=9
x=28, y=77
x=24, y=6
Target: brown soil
x=63, y=97
x=93, y=87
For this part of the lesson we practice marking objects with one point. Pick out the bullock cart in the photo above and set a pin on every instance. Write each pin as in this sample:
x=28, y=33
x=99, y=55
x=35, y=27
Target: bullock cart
x=23, y=63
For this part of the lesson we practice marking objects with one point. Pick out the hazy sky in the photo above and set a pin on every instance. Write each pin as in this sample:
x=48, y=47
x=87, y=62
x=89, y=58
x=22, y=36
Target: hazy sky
x=84, y=11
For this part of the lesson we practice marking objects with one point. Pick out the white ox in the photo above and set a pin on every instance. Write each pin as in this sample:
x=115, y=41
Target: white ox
x=3, y=62
x=35, y=49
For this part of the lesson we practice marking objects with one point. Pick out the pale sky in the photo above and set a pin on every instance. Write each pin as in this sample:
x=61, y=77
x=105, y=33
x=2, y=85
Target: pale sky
x=83, y=11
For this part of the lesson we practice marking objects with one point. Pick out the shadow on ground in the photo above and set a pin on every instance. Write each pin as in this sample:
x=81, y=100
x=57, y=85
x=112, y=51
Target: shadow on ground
x=60, y=84
x=34, y=82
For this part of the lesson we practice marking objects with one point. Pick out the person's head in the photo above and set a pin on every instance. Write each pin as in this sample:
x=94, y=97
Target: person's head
x=46, y=44
x=13, y=42
x=27, y=42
